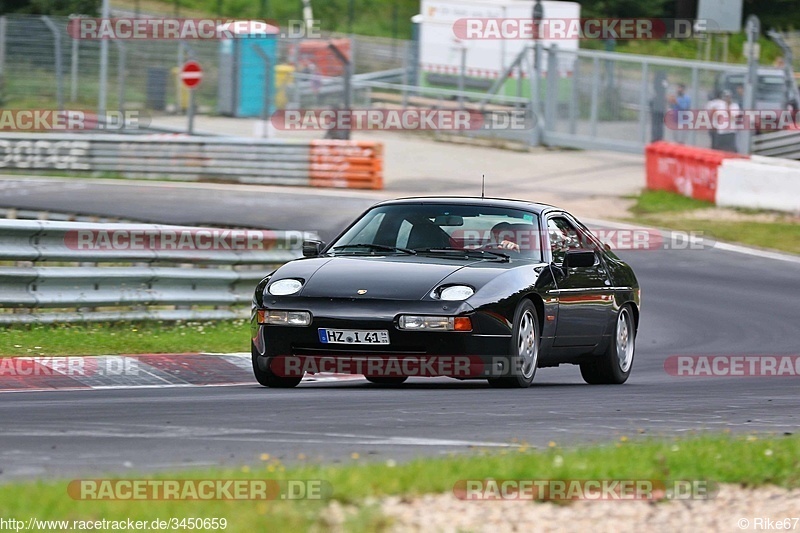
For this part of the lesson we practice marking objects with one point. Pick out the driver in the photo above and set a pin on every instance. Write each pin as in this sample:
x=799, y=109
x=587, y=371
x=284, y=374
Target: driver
x=501, y=237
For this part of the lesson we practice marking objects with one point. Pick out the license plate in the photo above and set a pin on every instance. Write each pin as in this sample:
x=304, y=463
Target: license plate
x=353, y=336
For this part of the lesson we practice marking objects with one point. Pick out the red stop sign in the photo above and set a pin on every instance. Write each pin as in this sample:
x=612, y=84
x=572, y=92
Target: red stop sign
x=191, y=74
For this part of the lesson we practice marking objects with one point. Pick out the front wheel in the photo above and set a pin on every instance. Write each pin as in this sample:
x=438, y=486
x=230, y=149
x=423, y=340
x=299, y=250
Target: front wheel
x=524, y=349
x=615, y=365
x=267, y=378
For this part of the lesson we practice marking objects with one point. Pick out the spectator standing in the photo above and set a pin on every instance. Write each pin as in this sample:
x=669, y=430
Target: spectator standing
x=680, y=102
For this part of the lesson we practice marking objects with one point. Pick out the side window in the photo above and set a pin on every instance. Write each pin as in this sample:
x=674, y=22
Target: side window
x=564, y=236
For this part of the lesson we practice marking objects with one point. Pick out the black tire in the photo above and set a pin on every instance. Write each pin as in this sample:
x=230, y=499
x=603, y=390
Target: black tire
x=387, y=380
x=615, y=365
x=523, y=369
x=267, y=378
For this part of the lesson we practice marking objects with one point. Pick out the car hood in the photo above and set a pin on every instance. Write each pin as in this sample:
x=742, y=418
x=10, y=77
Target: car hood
x=382, y=277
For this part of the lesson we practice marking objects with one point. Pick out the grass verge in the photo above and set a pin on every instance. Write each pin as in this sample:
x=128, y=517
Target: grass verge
x=754, y=228
x=746, y=460
x=124, y=338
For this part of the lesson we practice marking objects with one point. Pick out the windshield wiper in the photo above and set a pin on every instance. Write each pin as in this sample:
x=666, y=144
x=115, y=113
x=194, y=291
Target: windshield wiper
x=376, y=247
x=466, y=253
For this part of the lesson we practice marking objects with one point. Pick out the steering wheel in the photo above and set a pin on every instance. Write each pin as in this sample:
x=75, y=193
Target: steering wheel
x=498, y=246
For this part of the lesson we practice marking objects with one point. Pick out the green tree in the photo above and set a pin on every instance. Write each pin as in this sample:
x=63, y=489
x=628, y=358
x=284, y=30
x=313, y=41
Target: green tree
x=625, y=8
x=48, y=7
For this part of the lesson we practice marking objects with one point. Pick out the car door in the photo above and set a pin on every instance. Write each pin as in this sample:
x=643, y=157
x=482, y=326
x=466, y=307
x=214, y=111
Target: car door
x=585, y=296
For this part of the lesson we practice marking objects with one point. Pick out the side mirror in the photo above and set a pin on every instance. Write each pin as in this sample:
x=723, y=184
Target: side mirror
x=579, y=259
x=312, y=248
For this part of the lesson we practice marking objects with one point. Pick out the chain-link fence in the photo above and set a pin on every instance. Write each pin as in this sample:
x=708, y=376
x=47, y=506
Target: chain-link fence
x=622, y=101
x=583, y=98
x=43, y=66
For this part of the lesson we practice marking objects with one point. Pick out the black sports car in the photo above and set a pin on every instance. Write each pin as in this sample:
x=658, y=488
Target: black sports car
x=472, y=288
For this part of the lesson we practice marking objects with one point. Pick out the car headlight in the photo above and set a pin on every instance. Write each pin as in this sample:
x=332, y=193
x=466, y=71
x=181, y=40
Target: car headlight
x=284, y=318
x=454, y=293
x=285, y=287
x=434, y=323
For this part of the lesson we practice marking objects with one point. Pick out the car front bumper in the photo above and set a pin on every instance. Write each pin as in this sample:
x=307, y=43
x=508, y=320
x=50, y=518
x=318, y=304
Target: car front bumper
x=480, y=353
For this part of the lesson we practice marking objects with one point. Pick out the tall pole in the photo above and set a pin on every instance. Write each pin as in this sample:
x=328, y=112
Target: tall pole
x=753, y=27
x=101, y=98
x=538, y=15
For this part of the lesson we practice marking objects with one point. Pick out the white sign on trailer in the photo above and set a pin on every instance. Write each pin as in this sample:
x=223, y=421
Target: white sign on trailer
x=723, y=16
x=440, y=48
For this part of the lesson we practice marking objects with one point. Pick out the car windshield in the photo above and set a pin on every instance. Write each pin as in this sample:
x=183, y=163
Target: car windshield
x=450, y=230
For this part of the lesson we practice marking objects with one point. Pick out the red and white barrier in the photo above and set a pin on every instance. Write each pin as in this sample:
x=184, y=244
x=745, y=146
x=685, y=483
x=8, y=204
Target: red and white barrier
x=760, y=183
x=723, y=178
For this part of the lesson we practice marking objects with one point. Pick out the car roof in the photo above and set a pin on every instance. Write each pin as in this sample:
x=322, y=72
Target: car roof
x=509, y=203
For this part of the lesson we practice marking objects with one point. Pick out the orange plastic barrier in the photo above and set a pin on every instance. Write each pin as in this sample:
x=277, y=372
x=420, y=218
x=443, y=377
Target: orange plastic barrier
x=346, y=164
x=684, y=169
x=319, y=54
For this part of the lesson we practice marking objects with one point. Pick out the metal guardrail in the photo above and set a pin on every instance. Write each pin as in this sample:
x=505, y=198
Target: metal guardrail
x=149, y=271
x=784, y=144
x=317, y=163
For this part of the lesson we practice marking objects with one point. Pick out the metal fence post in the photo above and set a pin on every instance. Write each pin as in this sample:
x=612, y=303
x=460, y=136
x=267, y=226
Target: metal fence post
x=59, y=78
x=2, y=55
x=595, y=101
x=74, y=59
x=348, y=74
x=102, y=96
x=267, y=88
x=695, y=101
x=120, y=75
x=462, y=76
x=551, y=102
x=643, y=104
x=178, y=86
x=574, y=98
x=753, y=32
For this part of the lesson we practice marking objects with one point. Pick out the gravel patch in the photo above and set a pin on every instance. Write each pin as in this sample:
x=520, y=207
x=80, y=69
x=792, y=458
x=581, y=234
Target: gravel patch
x=733, y=509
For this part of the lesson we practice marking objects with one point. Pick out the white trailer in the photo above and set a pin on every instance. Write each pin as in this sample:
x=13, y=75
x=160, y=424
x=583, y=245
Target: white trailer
x=440, y=48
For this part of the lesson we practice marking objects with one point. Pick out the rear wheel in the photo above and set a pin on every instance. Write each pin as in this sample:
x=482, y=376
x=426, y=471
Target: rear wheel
x=267, y=378
x=524, y=349
x=386, y=380
x=614, y=366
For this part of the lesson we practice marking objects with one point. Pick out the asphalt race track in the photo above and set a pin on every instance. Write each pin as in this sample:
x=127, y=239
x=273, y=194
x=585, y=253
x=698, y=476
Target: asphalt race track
x=706, y=301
